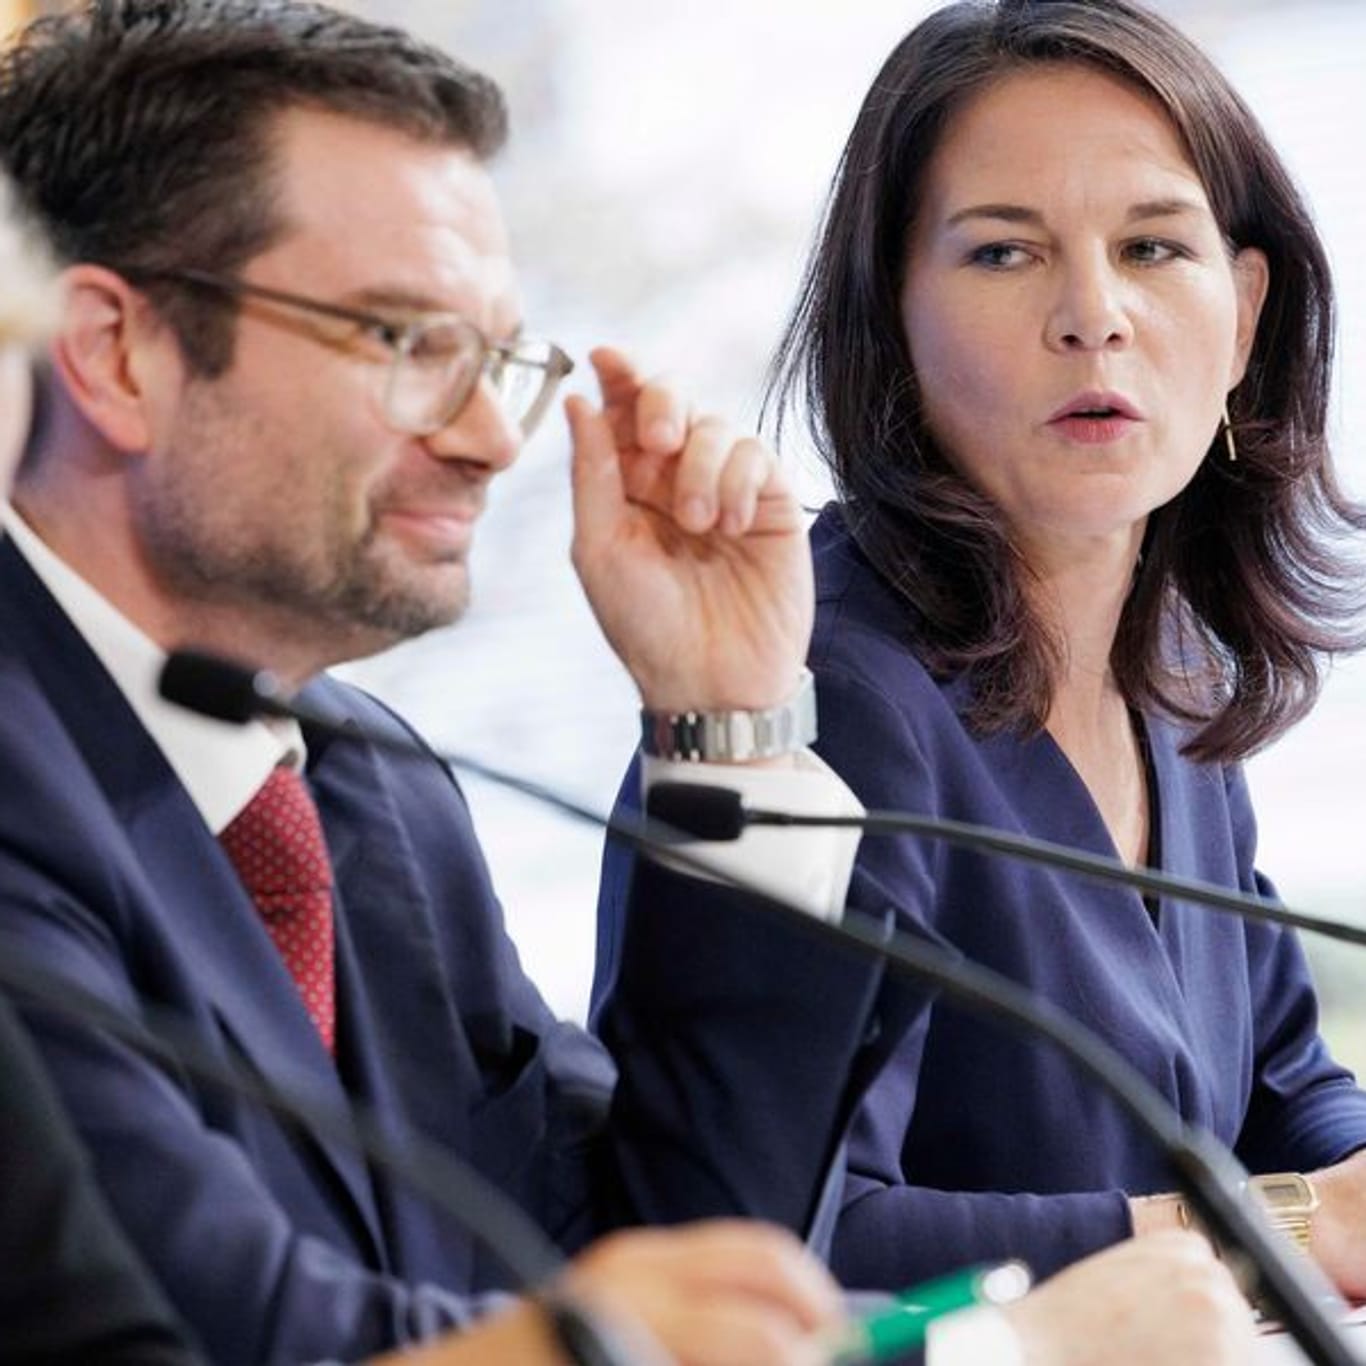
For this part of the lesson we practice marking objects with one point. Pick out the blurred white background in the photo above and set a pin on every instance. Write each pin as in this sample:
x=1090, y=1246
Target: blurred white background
x=666, y=170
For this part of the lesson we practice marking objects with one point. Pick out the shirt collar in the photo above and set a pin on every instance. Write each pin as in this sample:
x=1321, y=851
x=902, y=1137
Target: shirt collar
x=221, y=765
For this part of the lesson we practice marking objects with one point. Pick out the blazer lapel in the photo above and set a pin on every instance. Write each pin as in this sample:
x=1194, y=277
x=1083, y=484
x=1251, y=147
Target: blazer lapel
x=402, y=1037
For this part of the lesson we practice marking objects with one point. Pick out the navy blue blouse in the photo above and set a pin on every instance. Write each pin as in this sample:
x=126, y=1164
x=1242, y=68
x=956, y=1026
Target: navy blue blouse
x=972, y=1143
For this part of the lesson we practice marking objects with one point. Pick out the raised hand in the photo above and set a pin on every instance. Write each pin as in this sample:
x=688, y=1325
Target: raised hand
x=690, y=547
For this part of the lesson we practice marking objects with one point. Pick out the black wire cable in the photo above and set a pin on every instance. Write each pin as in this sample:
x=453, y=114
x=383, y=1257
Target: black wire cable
x=721, y=814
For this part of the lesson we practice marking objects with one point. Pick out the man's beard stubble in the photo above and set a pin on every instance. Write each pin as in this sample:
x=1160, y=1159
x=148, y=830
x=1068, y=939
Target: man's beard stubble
x=209, y=547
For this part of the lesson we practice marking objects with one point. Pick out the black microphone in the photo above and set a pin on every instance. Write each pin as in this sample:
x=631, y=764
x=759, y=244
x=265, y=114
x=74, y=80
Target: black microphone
x=721, y=814
x=1204, y=1170
x=224, y=689
x=699, y=810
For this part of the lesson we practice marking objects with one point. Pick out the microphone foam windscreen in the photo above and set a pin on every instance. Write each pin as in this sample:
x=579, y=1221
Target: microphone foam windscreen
x=704, y=812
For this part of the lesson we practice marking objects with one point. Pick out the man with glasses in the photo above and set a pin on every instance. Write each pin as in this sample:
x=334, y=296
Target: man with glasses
x=289, y=363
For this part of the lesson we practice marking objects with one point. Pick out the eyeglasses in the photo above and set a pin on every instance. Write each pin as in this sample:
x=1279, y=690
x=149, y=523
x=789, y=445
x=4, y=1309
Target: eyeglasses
x=437, y=359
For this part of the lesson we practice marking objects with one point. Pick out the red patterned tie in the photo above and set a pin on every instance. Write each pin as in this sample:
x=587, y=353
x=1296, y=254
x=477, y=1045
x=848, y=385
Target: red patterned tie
x=276, y=844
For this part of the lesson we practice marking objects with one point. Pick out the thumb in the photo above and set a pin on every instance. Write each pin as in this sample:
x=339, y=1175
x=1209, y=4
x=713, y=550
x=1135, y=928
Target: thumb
x=599, y=496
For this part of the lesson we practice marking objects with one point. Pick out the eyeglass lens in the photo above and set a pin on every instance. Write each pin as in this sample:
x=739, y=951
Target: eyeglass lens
x=438, y=368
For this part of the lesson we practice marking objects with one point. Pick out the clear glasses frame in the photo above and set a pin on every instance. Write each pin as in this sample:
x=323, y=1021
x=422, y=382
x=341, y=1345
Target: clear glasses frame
x=437, y=359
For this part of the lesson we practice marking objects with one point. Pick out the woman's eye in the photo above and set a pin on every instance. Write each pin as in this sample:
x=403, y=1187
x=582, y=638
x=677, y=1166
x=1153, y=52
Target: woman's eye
x=1151, y=251
x=999, y=255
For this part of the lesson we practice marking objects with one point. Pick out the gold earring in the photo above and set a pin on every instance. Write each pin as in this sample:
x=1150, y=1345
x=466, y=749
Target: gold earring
x=1228, y=439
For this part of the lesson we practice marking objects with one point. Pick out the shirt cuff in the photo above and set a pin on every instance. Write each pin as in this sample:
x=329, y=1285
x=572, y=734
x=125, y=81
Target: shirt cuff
x=809, y=867
x=971, y=1338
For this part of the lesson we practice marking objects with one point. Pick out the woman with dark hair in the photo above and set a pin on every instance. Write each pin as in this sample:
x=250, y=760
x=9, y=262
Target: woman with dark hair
x=1064, y=342
x=1065, y=346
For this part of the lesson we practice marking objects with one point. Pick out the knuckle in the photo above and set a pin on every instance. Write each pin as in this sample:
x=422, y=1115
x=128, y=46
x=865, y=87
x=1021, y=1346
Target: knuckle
x=750, y=468
x=779, y=1242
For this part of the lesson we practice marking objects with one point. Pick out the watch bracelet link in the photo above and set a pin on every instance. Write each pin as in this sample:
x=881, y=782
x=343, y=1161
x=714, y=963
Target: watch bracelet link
x=733, y=736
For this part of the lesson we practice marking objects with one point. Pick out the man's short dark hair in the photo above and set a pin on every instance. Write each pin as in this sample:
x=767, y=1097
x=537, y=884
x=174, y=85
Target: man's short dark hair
x=138, y=131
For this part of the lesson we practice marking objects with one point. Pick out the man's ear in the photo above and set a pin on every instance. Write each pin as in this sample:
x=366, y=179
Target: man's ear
x=110, y=347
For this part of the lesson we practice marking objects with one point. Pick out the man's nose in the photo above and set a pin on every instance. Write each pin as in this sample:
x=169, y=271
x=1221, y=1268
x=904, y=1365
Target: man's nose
x=481, y=431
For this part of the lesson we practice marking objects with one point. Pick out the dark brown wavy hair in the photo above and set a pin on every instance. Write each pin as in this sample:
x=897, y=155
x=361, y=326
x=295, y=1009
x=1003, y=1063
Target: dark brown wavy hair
x=1246, y=587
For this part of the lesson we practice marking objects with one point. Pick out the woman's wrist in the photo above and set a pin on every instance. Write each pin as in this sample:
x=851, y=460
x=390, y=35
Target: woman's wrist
x=1158, y=1214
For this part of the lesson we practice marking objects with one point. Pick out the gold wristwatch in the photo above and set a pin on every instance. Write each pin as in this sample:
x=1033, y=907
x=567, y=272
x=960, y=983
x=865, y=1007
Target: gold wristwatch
x=1289, y=1200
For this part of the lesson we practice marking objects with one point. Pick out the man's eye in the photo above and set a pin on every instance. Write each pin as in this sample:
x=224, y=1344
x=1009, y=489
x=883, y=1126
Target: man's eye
x=440, y=344
x=387, y=334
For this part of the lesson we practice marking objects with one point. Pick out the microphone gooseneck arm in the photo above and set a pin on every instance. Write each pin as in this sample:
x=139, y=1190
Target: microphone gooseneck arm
x=712, y=813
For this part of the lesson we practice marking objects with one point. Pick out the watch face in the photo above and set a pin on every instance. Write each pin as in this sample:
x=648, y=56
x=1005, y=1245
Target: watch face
x=1285, y=1191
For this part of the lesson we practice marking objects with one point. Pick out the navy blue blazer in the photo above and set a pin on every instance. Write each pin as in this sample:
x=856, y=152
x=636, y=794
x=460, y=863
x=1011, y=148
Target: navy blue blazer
x=71, y=1289
x=973, y=1143
x=275, y=1247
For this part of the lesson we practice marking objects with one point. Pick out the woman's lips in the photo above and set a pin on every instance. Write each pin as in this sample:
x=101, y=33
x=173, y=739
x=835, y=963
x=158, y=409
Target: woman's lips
x=1093, y=430
x=1095, y=417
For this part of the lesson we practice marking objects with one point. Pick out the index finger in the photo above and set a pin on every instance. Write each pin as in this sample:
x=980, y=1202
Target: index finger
x=648, y=413
x=618, y=378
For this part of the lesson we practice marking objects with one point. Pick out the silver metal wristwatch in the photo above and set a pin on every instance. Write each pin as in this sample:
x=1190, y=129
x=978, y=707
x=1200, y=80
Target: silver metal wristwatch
x=731, y=737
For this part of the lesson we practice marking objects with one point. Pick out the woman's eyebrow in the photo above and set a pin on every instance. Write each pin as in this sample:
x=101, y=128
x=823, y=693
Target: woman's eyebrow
x=1019, y=213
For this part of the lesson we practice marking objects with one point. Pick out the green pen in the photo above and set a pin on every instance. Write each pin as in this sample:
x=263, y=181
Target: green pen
x=887, y=1333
